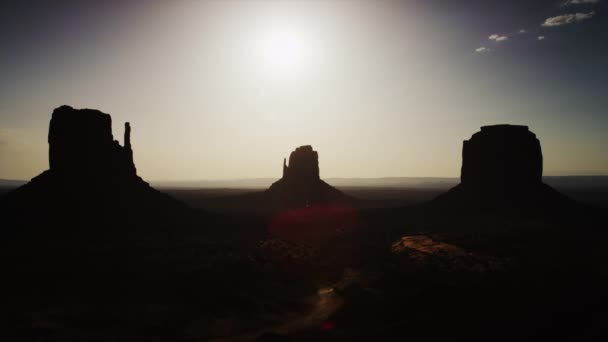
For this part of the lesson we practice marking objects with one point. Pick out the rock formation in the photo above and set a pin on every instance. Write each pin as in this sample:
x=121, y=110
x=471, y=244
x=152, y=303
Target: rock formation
x=81, y=143
x=303, y=165
x=502, y=156
x=502, y=168
x=424, y=252
x=88, y=169
x=301, y=185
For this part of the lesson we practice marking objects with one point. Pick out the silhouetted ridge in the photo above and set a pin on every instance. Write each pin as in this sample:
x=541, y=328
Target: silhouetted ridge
x=502, y=168
x=301, y=185
x=88, y=169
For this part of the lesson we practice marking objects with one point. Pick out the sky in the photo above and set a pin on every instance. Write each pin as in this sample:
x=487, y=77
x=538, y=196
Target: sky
x=227, y=89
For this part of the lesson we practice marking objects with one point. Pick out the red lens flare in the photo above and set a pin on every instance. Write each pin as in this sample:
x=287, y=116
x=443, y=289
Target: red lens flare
x=316, y=223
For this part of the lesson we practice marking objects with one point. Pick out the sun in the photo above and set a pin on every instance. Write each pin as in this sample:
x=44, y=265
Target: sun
x=283, y=50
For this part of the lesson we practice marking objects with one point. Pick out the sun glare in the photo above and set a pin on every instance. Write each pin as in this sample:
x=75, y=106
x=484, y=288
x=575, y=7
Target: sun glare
x=283, y=50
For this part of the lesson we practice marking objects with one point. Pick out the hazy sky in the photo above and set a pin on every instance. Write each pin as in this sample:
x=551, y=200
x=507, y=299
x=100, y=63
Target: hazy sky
x=227, y=89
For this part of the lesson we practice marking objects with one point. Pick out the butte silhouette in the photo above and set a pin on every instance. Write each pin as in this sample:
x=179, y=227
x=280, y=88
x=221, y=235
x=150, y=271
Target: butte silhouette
x=88, y=170
x=308, y=209
x=301, y=185
x=502, y=168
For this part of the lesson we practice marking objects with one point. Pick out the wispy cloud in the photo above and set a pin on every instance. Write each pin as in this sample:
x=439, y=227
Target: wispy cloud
x=522, y=31
x=566, y=19
x=541, y=37
x=497, y=37
x=579, y=2
x=482, y=49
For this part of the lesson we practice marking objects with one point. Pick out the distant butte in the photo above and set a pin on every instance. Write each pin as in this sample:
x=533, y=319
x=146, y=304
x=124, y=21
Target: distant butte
x=88, y=169
x=502, y=156
x=301, y=185
x=502, y=168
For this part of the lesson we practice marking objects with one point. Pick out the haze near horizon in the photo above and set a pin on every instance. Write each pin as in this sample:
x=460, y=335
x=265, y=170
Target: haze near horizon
x=225, y=90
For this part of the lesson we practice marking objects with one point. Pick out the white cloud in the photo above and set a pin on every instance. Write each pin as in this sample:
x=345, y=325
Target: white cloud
x=541, y=38
x=482, y=49
x=497, y=37
x=522, y=31
x=579, y=2
x=566, y=19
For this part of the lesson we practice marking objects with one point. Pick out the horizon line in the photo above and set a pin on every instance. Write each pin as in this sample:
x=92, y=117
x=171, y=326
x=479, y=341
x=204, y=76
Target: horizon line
x=330, y=177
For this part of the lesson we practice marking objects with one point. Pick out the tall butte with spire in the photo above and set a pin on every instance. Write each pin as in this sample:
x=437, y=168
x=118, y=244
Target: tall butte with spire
x=88, y=168
x=81, y=145
x=301, y=185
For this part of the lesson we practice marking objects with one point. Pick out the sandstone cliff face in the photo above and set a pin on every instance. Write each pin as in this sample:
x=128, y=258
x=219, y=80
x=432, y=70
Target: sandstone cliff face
x=301, y=185
x=502, y=156
x=303, y=165
x=88, y=169
x=81, y=143
x=502, y=169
